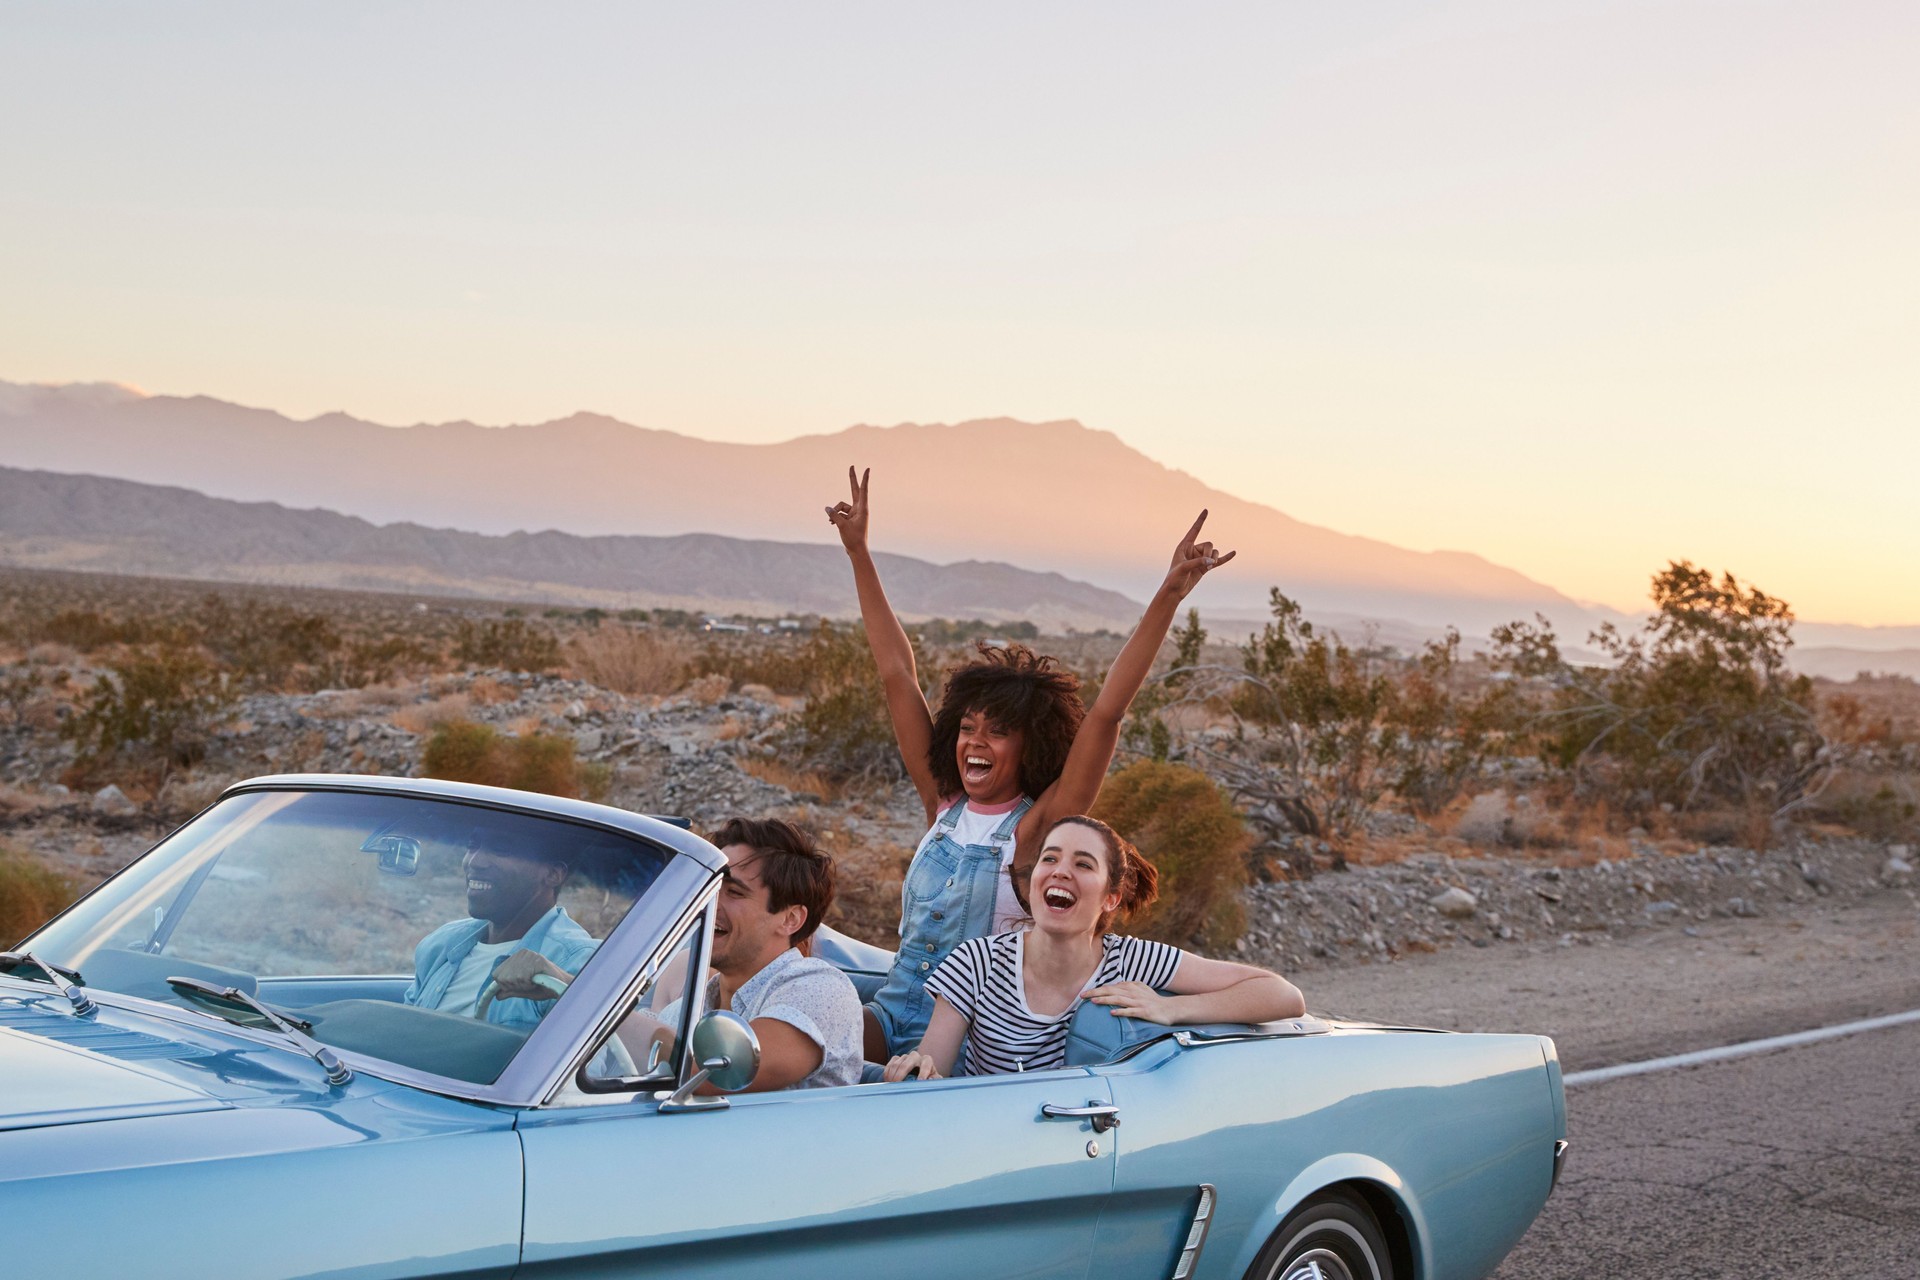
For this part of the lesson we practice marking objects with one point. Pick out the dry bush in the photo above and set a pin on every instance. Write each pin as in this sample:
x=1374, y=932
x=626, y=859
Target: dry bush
x=798, y=781
x=866, y=888
x=149, y=714
x=373, y=697
x=709, y=689
x=424, y=717
x=488, y=692
x=1484, y=821
x=619, y=658
x=511, y=644
x=1881, y=804
x=30, y=893
x=187, y=794
x=462, y=751
x=1188, y=829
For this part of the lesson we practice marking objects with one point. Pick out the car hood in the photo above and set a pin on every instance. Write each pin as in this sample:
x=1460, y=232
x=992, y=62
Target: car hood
x=46, y=1080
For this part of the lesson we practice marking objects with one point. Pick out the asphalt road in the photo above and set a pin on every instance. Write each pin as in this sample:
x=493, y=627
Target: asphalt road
x=1799, y=1162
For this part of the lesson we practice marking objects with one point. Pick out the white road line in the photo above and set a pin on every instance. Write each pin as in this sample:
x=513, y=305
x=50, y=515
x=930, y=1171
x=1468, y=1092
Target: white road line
x=1741, y=1050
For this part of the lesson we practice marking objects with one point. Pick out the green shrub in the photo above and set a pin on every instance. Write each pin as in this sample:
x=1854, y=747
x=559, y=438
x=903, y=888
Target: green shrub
x=1189, y=830
x=1696, y=710
x=155, y=705
x=463, y=751
x=29, y=895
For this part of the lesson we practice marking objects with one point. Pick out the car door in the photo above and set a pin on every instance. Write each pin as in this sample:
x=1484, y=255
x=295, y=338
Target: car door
x=961, y=1177
x=947, y=1178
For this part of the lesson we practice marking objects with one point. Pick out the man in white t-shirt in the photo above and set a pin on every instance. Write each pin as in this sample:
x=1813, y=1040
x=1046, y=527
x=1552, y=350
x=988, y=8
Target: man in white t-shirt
x=804, y=1011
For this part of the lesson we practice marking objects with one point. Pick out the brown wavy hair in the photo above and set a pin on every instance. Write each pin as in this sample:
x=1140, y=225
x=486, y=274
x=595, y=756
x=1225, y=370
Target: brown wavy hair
x=1129, y=874
x=792, y=867
x=1016, y=689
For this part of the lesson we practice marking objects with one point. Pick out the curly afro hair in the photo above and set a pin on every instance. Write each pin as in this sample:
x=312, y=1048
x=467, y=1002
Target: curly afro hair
x=1016, y=689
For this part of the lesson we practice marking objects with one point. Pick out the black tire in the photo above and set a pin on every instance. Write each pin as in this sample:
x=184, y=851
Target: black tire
x=1335, y=1231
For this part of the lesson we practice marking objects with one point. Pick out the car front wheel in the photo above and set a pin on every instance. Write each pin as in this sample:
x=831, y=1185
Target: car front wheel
x=1331, y=1237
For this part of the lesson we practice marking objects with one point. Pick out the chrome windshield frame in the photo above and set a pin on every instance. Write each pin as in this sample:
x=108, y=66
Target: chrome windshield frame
x=691, y=871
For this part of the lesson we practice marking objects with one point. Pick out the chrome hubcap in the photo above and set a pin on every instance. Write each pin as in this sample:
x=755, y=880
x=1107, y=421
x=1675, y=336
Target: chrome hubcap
x=1317, y=1264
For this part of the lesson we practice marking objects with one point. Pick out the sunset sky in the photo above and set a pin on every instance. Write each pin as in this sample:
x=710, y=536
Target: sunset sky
x=1580, y=287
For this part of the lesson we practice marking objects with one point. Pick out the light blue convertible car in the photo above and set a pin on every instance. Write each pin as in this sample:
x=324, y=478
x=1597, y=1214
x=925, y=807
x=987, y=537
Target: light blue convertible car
x=224, y=1063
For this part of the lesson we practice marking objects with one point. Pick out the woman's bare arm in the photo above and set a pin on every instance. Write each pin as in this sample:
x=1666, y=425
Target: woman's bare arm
x=1093, y=746
x=1206, y=991
x=939, y=1047
x=892, y=651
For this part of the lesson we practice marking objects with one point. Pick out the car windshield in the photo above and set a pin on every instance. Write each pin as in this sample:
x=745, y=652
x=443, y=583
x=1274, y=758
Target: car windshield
x=395, y=926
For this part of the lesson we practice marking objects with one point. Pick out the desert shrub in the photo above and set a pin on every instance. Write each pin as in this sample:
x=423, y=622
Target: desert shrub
x=1187, y=827
x=781, y=664
x=154, y=706
x=1697, y=710
x=464, y=751
x=512, y=644
x=30, y=894
x=843, y=731
x=1882, y=804
x=89, y=630
x=1446, y=718
x=267, y=646
x=1310, y=749
x=628, y=661
x=19, y=686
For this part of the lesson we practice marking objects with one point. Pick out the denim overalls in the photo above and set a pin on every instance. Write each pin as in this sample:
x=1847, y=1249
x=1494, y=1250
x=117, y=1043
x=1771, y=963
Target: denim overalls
x=948, y=897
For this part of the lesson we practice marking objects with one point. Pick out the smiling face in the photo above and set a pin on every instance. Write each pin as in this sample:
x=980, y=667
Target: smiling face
x=747, y=935
x=1071, y=889
x=988, y=757
x=508, y=891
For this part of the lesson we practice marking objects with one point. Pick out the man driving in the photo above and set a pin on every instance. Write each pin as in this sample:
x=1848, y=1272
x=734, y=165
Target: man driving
x=518, y=948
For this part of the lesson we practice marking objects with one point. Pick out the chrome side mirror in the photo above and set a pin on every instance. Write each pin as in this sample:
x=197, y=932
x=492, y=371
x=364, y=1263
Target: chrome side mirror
x=727, y=1053
x=727, y=1050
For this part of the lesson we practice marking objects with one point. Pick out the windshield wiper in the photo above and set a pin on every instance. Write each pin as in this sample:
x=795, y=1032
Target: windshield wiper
x=68, y=980
x=227, y=1001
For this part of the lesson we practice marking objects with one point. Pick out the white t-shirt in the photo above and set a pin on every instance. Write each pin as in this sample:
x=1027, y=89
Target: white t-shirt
x=463, y=995
x=976, y=827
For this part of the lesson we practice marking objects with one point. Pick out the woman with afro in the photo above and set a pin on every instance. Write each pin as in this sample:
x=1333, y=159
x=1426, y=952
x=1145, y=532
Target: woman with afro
x=1010, y=751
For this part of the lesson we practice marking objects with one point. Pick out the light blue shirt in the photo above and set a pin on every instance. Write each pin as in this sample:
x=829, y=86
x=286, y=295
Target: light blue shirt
x=437, y=959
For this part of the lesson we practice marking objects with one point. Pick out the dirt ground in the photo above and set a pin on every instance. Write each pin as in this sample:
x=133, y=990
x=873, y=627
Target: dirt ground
x=1612, y=1000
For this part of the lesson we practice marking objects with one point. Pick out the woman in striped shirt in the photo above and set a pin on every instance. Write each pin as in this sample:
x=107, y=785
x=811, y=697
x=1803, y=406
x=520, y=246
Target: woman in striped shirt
x=1009, y=997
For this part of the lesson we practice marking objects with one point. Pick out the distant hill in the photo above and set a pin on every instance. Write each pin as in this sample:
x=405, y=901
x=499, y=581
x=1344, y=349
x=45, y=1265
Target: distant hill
x=1076, y=499
x=53, y=521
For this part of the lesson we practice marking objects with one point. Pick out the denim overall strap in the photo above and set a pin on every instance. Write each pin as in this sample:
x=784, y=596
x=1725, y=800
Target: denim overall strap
x=948, y=897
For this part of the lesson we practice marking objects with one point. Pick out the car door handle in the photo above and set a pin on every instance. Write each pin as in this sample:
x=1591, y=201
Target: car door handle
x=1104, y=1116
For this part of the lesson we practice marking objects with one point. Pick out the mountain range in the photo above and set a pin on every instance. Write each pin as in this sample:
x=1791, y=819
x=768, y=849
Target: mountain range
x=1079, y=500
x=624, y=515
x=90, y=523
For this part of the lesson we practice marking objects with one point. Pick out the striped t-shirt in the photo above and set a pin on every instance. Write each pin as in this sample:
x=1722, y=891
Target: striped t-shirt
x=983, y=979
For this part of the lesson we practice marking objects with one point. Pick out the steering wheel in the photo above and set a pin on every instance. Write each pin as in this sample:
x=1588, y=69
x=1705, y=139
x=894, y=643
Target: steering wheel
x=546, y=980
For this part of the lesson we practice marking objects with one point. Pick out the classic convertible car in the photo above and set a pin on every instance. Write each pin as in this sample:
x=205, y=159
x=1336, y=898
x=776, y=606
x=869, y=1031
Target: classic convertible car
x=213, y=1066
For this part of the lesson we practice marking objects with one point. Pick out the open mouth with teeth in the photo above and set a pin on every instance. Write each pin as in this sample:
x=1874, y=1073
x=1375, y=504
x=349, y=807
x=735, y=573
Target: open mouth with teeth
x=976, y=768
x=1059, y=899
x=478, y=886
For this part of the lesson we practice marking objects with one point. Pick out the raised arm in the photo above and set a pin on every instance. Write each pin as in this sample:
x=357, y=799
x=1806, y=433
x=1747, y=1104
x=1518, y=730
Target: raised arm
x=1093, y=746
x=1206, y=991
x=892, y=651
